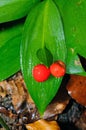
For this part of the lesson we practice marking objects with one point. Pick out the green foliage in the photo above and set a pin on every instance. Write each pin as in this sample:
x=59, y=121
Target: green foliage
x=15, y=9
x=43, y=34
x=10, y=39
x=49, y=24
x=73, y=14
x=45, y=56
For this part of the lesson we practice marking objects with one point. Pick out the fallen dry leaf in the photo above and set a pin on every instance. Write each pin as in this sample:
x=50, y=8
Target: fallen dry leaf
x=77, y=88
x=43, y=125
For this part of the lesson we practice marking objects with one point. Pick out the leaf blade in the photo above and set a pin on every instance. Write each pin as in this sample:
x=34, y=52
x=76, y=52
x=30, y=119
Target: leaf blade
x=15, y=9
x=10, y=40
x=43, y=34
x=74, y=20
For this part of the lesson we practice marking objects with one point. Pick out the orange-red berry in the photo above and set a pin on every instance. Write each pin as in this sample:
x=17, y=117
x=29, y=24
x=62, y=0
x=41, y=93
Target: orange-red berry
x=41, y=72
x=58, y=69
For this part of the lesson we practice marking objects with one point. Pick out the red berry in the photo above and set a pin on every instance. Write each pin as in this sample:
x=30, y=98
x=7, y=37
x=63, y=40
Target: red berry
x=57, y=69
x=41, y=72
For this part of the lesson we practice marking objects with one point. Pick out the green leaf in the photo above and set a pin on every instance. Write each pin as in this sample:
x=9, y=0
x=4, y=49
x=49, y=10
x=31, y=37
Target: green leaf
x=15, y=9
x=74, y=19
x=43, y=29
x=73, y=63
x=10, y=39
x=2, y=122
x=45, y=56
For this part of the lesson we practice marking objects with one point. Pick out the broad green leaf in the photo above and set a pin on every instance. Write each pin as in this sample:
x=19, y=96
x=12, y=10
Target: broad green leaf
x=15, y=9
x=10, y=39
x=74, y=19
x=43, y=29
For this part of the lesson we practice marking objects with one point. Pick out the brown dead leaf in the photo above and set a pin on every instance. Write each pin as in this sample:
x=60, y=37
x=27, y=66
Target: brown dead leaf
x=43, y=125
x=77, y=88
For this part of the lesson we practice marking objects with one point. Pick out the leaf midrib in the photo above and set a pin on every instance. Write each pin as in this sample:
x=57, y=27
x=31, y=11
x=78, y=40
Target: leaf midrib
x=44, y=24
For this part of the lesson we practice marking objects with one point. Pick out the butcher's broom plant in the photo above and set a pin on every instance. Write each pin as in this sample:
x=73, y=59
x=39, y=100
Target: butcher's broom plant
x=51, y=31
